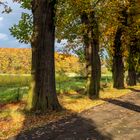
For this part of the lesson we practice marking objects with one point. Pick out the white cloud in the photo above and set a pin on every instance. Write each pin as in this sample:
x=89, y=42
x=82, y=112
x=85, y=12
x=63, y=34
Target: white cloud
x=1, y=21
x=3, y=36
x=1, y=18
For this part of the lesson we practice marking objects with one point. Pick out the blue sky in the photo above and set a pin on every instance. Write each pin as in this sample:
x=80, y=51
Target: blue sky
x=6, y=21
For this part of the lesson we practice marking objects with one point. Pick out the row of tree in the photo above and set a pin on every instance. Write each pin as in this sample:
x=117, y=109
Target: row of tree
x=90, y=24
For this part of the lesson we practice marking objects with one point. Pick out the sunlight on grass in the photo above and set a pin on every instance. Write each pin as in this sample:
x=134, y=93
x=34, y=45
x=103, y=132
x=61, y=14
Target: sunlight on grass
x=13, y=100
x=14, y=80
x=11, y=120
x=77, y=103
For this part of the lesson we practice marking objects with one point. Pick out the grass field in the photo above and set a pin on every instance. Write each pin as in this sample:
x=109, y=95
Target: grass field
x=14, y=87
x=14, y=93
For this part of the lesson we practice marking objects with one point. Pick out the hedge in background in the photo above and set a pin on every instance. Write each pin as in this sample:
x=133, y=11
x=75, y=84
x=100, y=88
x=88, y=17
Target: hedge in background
x=15, y=61
x=18, y=61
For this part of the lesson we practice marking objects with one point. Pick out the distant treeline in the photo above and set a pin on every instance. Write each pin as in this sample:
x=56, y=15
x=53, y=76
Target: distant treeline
x=18, y=61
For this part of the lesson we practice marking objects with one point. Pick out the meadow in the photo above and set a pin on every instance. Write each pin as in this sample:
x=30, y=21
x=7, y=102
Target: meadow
x=14, y=93
x=70, y=87
x=13, y=87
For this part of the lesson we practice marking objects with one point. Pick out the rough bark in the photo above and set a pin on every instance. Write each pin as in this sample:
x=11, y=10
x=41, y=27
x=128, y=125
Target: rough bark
x=118, y=64
x=43, y=67
x=133, y=45
x=132, y=78
x=93, y=65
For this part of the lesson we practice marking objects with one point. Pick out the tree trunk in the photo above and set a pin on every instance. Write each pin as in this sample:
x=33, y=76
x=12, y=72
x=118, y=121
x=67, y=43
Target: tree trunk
x=138, y=77
x=132, y=78
x=93, y=65
x=43, y=67
x=118, y=64
x=133, y=45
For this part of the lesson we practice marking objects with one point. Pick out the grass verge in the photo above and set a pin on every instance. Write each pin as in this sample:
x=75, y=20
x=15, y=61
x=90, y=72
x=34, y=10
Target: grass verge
x=13, y=119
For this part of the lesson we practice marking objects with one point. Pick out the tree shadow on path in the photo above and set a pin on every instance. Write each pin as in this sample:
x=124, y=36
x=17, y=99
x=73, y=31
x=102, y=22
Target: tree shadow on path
x=134, y=90
x=127, y=105
x=71, y=128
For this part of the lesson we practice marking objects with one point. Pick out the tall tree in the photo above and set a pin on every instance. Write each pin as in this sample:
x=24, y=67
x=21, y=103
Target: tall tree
x=43, y=68
x=93, y=65
x=133, y=48
x=118, y=63
x=132, y=79
x=87, y=31
x=69, y=27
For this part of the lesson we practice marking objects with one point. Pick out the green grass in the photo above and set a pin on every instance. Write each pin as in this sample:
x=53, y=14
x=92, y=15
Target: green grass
x=11, y=94
x=70, y=84
x=14, y=80
x=14, y=87
x=106, y=79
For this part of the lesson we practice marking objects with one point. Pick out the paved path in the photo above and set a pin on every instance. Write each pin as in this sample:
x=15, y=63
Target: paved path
x=118, y=119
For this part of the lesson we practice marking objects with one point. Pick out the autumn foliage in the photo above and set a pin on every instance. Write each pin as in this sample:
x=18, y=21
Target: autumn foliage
x=18, y=61
x=14, y=61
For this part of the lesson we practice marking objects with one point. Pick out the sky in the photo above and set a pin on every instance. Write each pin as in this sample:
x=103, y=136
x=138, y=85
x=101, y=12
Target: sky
x=6, y=21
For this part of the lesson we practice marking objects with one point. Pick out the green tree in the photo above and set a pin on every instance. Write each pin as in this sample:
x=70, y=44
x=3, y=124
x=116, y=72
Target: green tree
x=81, y=25
x=39, y=30
x=43, y=68
x=93, y=65
x=70, y=27
x=6, y=8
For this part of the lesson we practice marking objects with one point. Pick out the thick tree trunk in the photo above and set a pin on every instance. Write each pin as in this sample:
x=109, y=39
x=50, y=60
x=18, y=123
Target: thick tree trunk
x=93, y=65
x=132, y=78
x=138, y=77
x=118, y=64
x=133, y=45
x=43, y=67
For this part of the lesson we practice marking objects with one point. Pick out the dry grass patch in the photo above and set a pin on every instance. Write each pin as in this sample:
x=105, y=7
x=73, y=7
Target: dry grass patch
x=13, y=119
